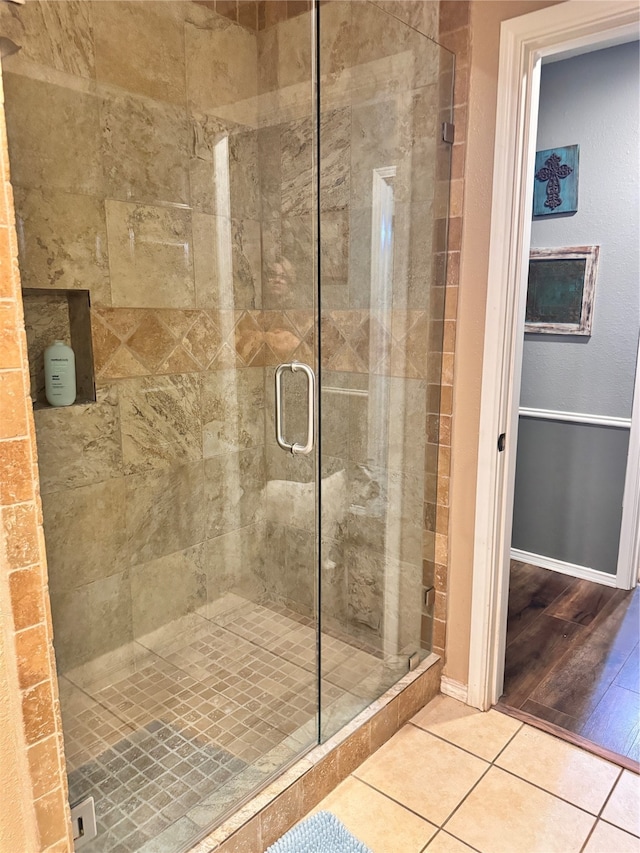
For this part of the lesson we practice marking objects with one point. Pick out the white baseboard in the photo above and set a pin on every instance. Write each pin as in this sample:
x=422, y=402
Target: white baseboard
x=581, y=572
x=453, y=688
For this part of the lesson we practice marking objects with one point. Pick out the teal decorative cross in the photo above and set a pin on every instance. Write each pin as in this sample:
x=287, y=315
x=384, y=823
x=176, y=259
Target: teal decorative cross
x=553, y=172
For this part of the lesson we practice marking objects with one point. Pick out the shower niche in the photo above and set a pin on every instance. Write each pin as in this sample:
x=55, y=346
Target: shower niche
x=65, y=315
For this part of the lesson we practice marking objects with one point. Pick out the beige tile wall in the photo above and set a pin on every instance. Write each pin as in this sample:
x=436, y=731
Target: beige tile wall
x=122, y=201
x=34, y=816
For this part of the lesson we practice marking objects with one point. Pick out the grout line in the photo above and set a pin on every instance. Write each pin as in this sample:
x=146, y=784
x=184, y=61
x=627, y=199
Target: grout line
x=551, y=794
x=393, y=799
x=513, y=736
x=464, y=799
x=451, y=835
x=461, y=748
x=610, y=794
x=615, y=826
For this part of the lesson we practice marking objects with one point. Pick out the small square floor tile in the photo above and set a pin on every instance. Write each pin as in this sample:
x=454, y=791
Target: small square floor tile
x=623, y=808
x=379, y=822
x=560, y=768
x=420, y=771
x=504, y=814
x=609, y=839
x=482, y=733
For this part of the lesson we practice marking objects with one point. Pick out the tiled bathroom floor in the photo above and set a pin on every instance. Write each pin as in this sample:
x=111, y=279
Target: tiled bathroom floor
x=204, y=718
x=455, y=780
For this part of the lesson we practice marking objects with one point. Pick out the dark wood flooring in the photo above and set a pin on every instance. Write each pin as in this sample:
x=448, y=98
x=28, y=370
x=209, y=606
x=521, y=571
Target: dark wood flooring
x=572, y=660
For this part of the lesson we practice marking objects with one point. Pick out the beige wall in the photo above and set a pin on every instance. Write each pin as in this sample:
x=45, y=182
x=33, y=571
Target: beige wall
x=486, y=16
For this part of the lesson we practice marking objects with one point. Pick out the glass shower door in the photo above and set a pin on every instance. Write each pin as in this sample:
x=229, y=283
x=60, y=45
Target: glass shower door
x=385, y=91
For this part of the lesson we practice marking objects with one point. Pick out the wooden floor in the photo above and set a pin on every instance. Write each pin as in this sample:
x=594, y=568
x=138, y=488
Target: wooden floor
x=572, y=658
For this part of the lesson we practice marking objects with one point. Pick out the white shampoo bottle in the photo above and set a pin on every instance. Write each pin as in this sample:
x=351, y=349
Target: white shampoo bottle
x=59, y=374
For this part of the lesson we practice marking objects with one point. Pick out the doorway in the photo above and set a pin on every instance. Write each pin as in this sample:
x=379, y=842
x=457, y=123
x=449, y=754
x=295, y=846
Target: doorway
x=572, y=642
x=525, y=42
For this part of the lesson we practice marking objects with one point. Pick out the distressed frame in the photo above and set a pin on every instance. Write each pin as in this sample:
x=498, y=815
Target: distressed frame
x=590, y=254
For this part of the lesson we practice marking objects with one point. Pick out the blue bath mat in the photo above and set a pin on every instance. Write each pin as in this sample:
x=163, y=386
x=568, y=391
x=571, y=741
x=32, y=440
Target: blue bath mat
x=320, y=833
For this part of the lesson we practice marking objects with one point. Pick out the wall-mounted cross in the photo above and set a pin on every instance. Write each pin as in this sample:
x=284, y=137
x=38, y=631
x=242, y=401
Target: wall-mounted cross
x=552, y=172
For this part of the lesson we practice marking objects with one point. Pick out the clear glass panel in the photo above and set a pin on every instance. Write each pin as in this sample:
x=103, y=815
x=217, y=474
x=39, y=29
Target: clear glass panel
x=384, y=178
x=162, y=159
x=163, y=162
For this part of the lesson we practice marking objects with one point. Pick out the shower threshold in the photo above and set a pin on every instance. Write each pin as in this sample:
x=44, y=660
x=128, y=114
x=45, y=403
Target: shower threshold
x=210, y=711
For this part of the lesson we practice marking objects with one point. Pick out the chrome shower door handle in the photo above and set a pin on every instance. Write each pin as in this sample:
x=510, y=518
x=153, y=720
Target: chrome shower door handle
x=297, y=449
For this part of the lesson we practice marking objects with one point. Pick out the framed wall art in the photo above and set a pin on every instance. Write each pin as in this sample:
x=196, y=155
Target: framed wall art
x=555, y=188
x=561, y=290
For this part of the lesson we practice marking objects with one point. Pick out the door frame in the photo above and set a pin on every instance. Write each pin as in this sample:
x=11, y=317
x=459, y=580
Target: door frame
x=524, y=41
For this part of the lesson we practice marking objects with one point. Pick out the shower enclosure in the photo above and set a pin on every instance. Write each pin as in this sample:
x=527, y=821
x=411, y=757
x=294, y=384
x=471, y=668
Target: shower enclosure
x=236, y=214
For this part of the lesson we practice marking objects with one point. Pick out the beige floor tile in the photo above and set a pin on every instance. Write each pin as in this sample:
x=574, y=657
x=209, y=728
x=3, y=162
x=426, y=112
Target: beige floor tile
x=610, y=839
x=483, y=734
x=426, y=774
x=381, y=824
x=564, y=770
x=445, y=843
x=623, y=808
x=504, y=814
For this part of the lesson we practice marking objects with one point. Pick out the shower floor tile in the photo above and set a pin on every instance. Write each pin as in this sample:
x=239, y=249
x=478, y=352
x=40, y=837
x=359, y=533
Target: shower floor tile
x=148, y=780
x=212, y=708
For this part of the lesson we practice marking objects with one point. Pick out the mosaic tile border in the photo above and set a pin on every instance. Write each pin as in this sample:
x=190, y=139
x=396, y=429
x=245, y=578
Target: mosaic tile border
x=130, y=342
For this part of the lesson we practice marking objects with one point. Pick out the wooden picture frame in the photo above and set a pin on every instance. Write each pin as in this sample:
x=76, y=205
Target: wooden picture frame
x=561, y=290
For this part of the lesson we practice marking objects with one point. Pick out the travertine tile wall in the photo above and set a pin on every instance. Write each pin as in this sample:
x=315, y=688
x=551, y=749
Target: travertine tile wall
x=160, y=480
x=31, y=685
x=455, y=35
